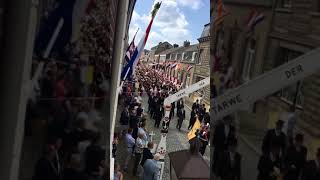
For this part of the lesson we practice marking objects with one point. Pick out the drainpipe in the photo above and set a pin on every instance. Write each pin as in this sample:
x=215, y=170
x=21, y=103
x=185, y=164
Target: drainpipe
x=118, y=55
x=19, y=33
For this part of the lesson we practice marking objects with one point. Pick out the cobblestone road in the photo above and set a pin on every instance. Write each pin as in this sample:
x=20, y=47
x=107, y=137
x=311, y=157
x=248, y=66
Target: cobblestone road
x=176, y=140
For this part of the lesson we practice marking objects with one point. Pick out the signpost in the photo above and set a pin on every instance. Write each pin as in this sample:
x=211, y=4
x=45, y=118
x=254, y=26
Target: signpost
x=265, y=84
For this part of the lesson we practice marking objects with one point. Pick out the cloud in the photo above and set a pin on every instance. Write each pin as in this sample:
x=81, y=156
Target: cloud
x=169, y=25
x=193, y=4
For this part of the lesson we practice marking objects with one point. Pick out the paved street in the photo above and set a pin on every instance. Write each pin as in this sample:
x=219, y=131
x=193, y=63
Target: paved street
x=175, y=140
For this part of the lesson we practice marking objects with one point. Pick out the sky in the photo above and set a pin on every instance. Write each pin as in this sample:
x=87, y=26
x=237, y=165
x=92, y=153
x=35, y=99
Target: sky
x=176, y=21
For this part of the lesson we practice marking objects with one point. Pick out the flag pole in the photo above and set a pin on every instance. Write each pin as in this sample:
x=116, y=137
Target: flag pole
x=53, y=38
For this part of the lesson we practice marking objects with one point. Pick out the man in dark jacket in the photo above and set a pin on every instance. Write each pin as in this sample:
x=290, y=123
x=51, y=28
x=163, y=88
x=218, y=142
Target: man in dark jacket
x=146, y=154
x=312, y=169
x=45, y=167
x=193, y=118
x=124, y=119
x=295, y=159
x=223, y=133
x=94, y=156
x=230, y=163
x=181, y=116
x=270, y=165
x=275, y=136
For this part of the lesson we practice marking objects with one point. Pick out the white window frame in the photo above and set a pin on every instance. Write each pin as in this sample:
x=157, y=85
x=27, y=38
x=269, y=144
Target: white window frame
x=248, y=61
x=188, y=80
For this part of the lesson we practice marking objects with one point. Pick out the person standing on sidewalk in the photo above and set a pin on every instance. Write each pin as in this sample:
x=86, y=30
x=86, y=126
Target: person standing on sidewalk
x=138, y=150
x=223, y=133
x=181, y=113
x=275, y=136
x=270, y=165
x=130, y=147
x=312, y=169
x=147, y=153
x=295, y=159
x=230, y=163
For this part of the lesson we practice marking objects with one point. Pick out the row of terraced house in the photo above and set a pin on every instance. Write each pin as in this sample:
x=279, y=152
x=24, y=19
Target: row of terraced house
x=192, y=63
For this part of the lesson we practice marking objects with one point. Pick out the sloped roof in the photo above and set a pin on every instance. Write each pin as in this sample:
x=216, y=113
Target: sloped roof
x=206, y=31
x=188, y=166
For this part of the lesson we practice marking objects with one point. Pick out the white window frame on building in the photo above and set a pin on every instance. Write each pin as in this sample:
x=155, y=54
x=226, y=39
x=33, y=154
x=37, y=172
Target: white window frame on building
x=249, y=60
x=199, y=59
x=194, y=56
x=285, y=94
x=188, y=80
x=189, y=57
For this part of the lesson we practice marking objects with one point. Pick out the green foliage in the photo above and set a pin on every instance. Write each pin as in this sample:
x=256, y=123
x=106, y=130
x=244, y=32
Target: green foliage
x=155, y=9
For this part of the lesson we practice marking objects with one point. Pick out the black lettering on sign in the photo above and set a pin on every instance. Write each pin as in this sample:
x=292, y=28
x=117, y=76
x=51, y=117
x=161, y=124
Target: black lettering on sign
x=182, y=93
x=227, y=104
x=294, y=71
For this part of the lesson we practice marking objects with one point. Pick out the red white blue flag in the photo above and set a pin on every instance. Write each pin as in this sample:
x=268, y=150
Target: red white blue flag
x=189, y=68
x=130, y=67
x=254, y=19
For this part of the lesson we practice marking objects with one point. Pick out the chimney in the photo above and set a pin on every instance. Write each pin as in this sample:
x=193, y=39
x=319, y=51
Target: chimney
x=186, y=43
x=175, y=45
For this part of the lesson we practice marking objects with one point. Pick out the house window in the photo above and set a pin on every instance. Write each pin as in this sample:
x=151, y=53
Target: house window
x=194, y=56
x=168, y=56
x=199, y=58
x=249, y=60
x=173, y=56
x=188, y=56
x=220, y=41
x=188, y=80
x=179, y=57
x=291, y=94
x=285, y=3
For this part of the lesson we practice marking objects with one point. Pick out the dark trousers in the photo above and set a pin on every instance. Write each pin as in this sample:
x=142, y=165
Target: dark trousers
x=203, y=149
x=179, y=124
x=157, y=122
x=216, y=153
x=191, y=123
x=171, y=113
x=137, y=160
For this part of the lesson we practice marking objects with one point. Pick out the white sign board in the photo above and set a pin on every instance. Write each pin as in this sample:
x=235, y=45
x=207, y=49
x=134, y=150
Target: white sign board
x=265, y=84
x=185, y=92
x=161, y=168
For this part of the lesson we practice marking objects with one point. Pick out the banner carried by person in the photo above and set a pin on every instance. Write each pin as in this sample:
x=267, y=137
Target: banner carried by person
x=195, y=128
x=129, y=69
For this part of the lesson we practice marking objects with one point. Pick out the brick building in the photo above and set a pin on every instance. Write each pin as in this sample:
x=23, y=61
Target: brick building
x=295, y=31
x=202, y=65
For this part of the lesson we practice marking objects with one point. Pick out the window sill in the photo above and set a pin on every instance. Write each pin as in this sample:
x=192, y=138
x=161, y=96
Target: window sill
x=284, y=10
x=315, y=13
x=290, y=103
